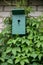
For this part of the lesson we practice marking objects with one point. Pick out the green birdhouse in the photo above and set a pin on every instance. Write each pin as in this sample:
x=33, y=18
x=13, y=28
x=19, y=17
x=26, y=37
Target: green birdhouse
x=18, y=21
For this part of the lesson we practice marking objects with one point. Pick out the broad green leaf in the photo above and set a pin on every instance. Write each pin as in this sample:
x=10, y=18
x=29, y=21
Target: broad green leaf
x=33, y=24
x=14, y=51
x=37, y=25
x=20, y=39
x=30, y=36
x=11, y=41
x=10, y=61
x=35, y=63
x=25, y=49
x=18, y=49
x=23, y=54
x=4, y=55
x=28, y=30
x=2, y=59
x=38, y=44
x=42, y=44
x=30, y=49
x=26, y=60
x=12, y=57
x=33, y=54
x=17, y=60
x=22, y=62
x=8, y=49
x=27, y=42
x=23, y=41
x=1, y=41
x=5, y=63
x=41, y=38
x=28, y=55
x=40, y=56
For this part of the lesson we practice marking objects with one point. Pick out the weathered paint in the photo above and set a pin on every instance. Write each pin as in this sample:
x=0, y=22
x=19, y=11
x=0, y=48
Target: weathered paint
x=18, y=24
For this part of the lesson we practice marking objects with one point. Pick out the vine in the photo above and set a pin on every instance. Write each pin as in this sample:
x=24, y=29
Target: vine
x=22, y=50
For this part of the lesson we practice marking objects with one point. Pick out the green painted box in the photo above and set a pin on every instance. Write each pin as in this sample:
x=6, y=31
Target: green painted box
x=18, y=21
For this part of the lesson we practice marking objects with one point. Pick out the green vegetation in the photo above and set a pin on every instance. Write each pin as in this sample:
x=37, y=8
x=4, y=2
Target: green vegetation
x=22, y=49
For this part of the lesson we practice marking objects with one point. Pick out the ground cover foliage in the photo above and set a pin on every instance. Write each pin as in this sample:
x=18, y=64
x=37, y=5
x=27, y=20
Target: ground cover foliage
x=22, y=49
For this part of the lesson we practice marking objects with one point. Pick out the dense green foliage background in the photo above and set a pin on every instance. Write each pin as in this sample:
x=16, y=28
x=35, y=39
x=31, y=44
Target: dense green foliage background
x=22, y=49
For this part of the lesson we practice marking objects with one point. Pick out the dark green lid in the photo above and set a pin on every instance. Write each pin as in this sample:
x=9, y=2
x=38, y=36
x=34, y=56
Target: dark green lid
x=18, y=11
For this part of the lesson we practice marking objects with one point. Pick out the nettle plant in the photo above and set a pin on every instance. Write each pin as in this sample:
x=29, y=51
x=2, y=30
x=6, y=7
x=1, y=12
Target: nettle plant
x=22, y=49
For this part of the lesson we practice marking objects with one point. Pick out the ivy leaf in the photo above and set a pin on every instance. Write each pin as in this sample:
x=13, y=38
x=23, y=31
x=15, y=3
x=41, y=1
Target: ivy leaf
x=23, y=41
x=33, y=54
x=2, y=59
x=14, y=51
x=33, y=24
x=11, y=41
x=8, y=49
x=27, y=42
x=26, y=60
x=18, y=49
x=25, y=49
x=37, y=25
x=1, y=41
x=22, y=62
x=38, y=44
x=10, y=61
x=30, y=49
x=30, y=36
x=12, y=57
x=41, y=38
x=39, y=56
x=4, y=55
x=42, y=44
x=5, y=63
x=28, y=30
x=34, y=63
x=28, y=55
x=18, y=39
x=17, y=60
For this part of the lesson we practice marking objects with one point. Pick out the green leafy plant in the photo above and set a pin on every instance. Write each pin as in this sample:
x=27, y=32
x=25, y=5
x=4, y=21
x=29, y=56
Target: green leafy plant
x=22, y=50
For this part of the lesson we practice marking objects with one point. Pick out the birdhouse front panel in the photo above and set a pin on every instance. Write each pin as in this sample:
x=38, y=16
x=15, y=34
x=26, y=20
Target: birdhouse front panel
x=18, y=24
x=18, y=21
